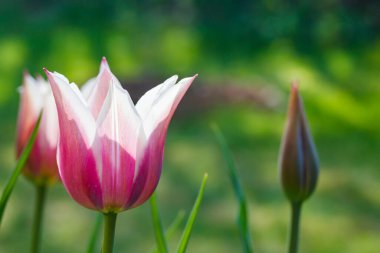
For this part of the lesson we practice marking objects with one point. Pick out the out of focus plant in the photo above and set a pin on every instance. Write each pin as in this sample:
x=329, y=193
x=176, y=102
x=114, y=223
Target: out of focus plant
x=18, y=168
x=242, y=219
x=298, y=163
x=41, y=166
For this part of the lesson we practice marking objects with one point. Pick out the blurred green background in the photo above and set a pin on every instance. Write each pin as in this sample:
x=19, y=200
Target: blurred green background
x=332, y=47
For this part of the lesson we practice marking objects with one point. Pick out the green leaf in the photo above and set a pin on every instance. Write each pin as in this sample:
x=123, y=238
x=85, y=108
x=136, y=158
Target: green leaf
x=173, y=227
x=175, y=224
x=18, y=169
x=190, y=222
x=157, y=225
x=242, y=219
x=95, y=234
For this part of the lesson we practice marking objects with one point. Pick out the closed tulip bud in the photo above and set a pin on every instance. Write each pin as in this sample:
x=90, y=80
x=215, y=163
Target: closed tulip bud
x=110, y=151
x=36, y=95
x=298, y=161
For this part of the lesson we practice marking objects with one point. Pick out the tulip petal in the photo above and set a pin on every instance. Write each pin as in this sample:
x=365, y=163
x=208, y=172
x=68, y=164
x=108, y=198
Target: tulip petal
x=88, y=87
x=76, y=159
x=30, y=106
x=145, y=103
x=165, y=105
x=155, y=127
x=100, y=88
x=120, y=133
x=36, y=95
x=43, y=162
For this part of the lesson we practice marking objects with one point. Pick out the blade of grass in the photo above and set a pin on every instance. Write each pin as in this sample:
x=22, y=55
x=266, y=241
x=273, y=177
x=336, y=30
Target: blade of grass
x=157, y=225
x=95, y=234
x=17, y=170
x=242, y=218
x=173, y=227
x=190, y=221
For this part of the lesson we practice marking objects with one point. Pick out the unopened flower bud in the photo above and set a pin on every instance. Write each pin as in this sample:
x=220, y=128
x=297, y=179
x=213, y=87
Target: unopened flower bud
x=298, y=162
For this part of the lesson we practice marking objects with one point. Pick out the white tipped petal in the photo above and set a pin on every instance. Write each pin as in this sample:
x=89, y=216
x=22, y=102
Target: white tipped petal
x=72, y=107
x=144, y=105
x=104, y=65
x=100, y=90
x=32, y=92
x=88, y=87
x=118, y=119
x=50, y=120
x=119, y=137
x=165, y=106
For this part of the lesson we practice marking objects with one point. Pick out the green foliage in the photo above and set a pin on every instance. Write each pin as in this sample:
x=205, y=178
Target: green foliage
x=242, y=220
x=157, y=225
x=18, y=168
x=182, y=246
x=172, y=228
x=93, y=241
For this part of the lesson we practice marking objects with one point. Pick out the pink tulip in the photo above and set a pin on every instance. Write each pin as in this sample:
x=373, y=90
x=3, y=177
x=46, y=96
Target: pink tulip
x=110, y=151
x=36, y=95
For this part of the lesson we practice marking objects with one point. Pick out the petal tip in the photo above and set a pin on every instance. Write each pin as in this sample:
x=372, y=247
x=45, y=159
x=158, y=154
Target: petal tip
x=49, y=75
x=25, y=73
x=295, y=85
x=47, y=72
x=104, y=64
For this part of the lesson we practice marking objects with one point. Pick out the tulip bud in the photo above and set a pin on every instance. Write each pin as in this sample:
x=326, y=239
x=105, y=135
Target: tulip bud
x=35, y=95
x=298, y=161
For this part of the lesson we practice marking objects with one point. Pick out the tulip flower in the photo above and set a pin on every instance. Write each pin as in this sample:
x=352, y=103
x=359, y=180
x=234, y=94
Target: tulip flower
x=36, y=95
x=110, y=151
x=298, y=162
x=41, y=166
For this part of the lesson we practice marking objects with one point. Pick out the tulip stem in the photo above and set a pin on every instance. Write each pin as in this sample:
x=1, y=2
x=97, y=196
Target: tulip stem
x=38, y=215
x=109, y=232
x=294, y=229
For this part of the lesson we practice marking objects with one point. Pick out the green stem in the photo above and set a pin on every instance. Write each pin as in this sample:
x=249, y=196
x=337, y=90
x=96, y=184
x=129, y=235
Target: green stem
x=294, y=229
x=109, y=232
x=38, y=215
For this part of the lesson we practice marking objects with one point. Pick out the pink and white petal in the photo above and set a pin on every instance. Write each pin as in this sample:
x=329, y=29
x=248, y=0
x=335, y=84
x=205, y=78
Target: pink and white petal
x=157, y=121
x=42, y=163
x=144, y=105
x=75, y=157
x=104, y=64
x=49, y=123
x=164, y=107
x=30, y=107
x=149, y=169
x=88, y=88
x=71, y=106
x=119, y=131
x=101, y=87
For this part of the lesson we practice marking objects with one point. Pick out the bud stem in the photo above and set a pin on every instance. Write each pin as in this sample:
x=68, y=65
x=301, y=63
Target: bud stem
x=294, y=229
x=109, y=232
x=38, y=215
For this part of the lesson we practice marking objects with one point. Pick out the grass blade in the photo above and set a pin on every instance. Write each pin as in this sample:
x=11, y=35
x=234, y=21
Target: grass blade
x=157, y=225
x=17, y=170
x=242, y=219
x=95, y=234
x=173, y=227
x=190, y=222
